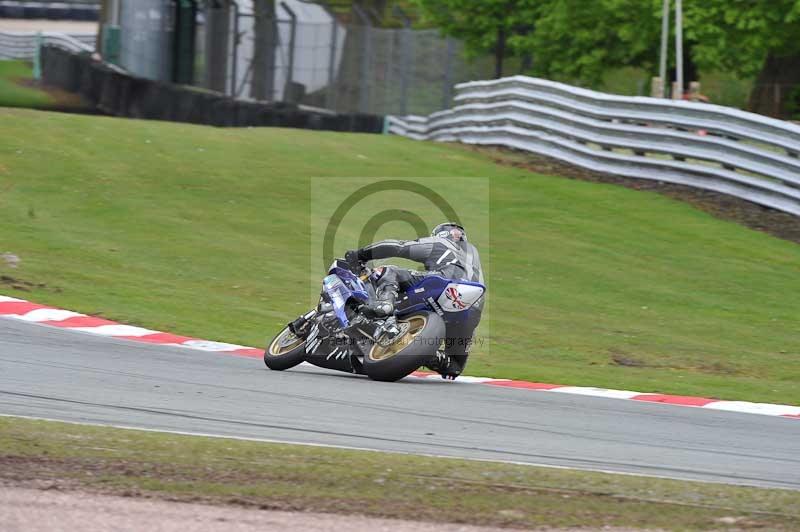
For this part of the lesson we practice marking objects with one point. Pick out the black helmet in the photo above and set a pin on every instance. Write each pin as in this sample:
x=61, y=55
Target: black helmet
x=451, y=230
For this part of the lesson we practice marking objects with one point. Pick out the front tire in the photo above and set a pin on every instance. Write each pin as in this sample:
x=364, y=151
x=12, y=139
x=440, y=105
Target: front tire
x=425, y=332
x=285, y=351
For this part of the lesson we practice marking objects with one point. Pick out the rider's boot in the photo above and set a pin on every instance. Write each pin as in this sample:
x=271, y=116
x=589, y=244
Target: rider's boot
x=444, y=365
x=384, y=304
x=383, y=309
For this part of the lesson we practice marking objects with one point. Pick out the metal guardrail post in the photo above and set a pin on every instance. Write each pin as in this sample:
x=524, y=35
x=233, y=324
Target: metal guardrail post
x=37, y=59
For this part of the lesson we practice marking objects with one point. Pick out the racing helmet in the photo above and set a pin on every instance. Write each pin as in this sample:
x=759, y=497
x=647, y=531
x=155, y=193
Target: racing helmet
x=451, y=230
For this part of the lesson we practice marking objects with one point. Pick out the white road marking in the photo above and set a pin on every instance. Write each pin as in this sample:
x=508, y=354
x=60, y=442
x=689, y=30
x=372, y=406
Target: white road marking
x=115, y=330
x=49, y=314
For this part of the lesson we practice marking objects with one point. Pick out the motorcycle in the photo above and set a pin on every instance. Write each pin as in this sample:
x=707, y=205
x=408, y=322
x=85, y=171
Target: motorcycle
x=342, y=334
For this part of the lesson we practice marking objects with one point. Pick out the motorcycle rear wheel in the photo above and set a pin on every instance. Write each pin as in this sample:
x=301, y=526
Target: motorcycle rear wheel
x=425, y=332
x=285, y=351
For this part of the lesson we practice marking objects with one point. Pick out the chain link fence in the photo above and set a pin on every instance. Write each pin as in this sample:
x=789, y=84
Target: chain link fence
x=359, y=68
x=351, y=68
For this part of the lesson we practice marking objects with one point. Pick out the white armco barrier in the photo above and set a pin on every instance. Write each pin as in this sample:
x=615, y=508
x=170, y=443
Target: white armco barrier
x=15, y=45
x=726, y=150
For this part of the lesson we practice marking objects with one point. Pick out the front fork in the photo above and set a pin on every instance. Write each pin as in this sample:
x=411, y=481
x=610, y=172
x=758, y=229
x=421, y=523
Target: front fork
x=301, y=326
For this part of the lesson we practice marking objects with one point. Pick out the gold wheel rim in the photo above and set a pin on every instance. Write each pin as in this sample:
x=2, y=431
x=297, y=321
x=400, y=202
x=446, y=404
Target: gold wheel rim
x=415, y=326
x=283, y=343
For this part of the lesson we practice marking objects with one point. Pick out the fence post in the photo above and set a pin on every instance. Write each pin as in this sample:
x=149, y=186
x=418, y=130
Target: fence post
x=363, y=90
x=235, y=52
x=217, y=33
x=406, y=43
x=265, y=44
x=292, y=40
x=447, y=89
x=330, y=96
x=37, y=57
x=405, y=65
x=184, y=42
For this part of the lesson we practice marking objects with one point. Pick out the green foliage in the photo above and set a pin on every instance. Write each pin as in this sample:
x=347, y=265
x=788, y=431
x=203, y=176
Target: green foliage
x=793, y=104
x=737, y=35
x=573, y=40
x=13, y=93
x=476, y=23
x=578, y=40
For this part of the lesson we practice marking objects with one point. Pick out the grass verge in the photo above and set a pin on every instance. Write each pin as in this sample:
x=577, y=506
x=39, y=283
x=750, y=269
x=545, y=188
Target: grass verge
x=293, y=477
x=205, y=232
x=15, y=87
x=19, y=89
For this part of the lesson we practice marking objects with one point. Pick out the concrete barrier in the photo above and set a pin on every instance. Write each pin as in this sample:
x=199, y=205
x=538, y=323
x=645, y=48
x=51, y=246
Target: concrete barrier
x=120, y=94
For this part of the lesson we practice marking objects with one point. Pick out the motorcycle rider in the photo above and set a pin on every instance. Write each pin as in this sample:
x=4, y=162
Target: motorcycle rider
x=446, y=253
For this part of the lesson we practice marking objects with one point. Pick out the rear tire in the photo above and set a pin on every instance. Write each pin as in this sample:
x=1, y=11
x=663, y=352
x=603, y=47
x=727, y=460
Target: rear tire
x=425, y=333
x=285, y=351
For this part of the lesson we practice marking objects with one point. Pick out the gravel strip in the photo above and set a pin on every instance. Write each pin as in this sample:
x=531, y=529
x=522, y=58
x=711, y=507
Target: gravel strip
x=31, y=510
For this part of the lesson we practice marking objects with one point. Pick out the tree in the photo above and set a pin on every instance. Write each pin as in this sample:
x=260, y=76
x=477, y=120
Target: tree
x=749, y=38
x=484, y=25
x=573, y=40
x=579, y=40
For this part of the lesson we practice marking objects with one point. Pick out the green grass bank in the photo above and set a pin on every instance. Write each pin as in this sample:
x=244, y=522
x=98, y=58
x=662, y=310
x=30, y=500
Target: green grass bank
x=206, y=232
x=17, y=89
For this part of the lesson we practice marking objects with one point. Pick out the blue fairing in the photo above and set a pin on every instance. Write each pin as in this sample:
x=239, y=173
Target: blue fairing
x=341, y=285
x=338, y=294
x=353, y=282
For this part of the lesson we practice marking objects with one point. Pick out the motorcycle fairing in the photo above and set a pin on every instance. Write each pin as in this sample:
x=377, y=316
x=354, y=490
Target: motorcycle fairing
x=432, y=291
x=460, y=296
x=340, y=285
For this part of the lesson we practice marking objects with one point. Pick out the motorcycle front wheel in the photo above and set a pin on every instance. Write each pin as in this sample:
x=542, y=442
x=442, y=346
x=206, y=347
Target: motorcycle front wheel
x=285, y=351
x=423, y=332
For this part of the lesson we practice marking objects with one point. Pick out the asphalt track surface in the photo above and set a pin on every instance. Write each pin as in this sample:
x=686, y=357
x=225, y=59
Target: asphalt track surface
x=67, y=375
